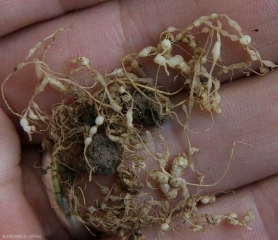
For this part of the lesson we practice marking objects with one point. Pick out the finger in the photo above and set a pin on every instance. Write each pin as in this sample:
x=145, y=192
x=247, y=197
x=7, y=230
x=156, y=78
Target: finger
x=125, y=30
x=260, y=197
x=13, y=205
x=18, y=14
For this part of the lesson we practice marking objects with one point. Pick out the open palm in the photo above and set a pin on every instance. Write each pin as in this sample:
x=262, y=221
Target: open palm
x=104, y=33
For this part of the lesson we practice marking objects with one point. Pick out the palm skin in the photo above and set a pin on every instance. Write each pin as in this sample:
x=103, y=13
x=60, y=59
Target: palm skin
x=104, y=33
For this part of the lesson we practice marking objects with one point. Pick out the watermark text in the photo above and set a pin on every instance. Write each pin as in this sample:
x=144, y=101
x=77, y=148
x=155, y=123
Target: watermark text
x=21, y=236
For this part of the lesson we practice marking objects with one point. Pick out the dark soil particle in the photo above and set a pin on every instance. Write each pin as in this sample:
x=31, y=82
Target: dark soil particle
x=147, y=113
x=65, y=174
x=88, y=117
x=104, y=155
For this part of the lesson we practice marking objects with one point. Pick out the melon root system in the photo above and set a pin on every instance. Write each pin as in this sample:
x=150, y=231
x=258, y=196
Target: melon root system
x=107, y=129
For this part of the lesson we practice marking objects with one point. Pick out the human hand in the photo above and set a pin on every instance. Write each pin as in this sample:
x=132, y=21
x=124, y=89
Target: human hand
x=104, y=33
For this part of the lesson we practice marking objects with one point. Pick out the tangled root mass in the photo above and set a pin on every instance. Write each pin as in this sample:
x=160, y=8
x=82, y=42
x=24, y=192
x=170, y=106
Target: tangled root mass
x=104, y=129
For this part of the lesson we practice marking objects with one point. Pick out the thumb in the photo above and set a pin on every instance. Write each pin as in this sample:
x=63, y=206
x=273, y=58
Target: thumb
x=17, y=216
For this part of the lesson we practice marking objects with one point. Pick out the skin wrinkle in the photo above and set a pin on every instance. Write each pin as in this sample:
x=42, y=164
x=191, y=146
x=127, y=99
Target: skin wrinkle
x=36, y=7
x=9, y=170
x=128, y=19
x=257, y=196
x=2, y=10
x=11, y=175
x=116, y=36
x=248, y=199
x=14, y=204
x=12, y=198
x=269, y=47
x=273, y=5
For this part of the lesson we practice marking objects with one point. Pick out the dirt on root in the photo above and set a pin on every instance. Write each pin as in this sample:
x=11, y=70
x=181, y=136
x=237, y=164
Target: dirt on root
x=146, y=112
x=104, y=155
